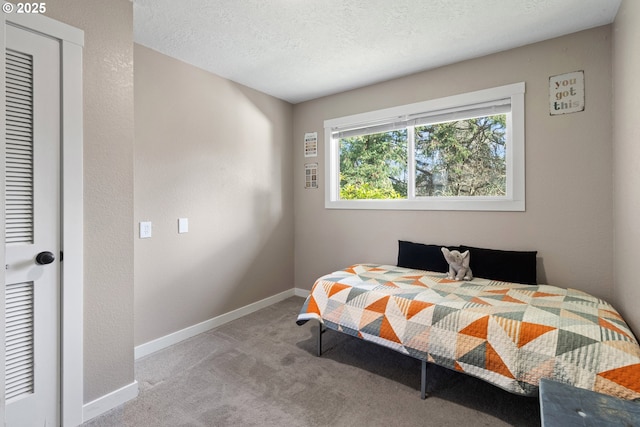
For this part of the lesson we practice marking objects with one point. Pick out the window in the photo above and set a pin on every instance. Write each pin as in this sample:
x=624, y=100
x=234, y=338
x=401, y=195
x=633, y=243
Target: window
x=464, y=152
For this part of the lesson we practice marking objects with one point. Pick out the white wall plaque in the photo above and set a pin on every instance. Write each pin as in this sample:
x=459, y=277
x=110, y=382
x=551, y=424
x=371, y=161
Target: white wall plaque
x=310, y=176
x=311, y=144
x=566, y=93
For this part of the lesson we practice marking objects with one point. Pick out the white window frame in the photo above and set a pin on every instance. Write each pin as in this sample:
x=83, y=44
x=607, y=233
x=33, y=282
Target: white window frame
x=514, y=200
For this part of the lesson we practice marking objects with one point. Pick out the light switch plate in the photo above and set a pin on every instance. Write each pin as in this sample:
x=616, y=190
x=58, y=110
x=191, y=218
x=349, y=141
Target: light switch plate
x=145, y=229
x=183, y=225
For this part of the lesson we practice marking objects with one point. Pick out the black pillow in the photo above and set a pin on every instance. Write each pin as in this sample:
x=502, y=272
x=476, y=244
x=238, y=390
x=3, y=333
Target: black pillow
x=422, y=257
x=505, y=266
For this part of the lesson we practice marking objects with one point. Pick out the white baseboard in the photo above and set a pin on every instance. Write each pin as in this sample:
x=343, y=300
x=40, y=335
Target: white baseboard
x=118, y=397
x=174, y=338
x=301, y=292
x=109, y=401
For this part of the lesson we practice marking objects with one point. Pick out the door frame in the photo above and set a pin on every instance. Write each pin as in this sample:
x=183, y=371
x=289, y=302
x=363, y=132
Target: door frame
x=71, y=227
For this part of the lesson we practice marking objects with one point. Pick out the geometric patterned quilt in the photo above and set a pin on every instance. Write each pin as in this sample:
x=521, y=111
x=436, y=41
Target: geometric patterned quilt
x=508, y=334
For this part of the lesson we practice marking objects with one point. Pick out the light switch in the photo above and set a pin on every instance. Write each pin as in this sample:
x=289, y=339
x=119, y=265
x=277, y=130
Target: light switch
x=145, y=229
x=183, y=225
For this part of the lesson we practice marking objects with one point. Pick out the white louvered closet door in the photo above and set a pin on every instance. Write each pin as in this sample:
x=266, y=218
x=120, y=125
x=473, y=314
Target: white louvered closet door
x=32, y=199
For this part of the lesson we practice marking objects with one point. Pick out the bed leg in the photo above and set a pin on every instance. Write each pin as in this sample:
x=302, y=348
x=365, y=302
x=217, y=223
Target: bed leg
x=320, y=332
x=423, y=381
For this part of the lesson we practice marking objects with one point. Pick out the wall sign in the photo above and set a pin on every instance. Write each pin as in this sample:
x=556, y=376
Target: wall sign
x=566, y=93
x=311, y=144
x=310, y=176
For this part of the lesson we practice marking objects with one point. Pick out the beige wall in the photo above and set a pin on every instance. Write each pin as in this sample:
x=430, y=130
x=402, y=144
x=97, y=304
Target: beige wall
x=108, y=189
x=568, y=217
x=626, y=160
x=220, y=155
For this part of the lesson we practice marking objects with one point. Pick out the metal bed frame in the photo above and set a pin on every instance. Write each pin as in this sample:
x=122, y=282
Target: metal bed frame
x=423, y=377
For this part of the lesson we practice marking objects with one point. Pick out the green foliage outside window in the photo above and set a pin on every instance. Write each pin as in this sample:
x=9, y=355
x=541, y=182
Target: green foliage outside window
x=457, y=158
x=462, y=158
x=374, y=166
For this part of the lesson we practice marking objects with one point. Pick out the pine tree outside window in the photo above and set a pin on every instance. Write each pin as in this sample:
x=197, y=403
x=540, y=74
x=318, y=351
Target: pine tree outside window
x=464, y=152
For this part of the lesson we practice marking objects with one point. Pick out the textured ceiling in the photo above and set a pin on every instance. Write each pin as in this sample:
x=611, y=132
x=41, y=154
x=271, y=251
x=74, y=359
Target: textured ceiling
x=298, y=50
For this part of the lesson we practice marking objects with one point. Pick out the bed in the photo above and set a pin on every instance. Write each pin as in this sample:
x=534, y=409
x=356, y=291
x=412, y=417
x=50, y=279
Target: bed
x=506, y=333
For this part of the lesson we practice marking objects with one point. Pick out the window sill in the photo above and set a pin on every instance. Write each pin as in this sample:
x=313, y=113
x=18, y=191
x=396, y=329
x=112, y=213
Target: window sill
x=441, y=204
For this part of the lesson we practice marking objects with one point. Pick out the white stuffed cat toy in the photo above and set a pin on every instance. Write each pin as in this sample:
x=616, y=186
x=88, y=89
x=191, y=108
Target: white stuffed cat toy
x=458, y=264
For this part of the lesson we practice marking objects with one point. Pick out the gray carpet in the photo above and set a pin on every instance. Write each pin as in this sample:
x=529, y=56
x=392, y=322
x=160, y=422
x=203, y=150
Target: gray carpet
x=261, y=370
